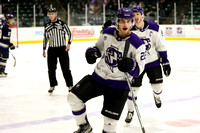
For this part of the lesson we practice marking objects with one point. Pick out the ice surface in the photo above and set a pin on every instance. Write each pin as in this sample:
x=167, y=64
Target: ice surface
x=26, y=106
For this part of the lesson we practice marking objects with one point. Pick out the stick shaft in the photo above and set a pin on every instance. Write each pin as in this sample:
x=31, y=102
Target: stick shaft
x=134, y=102
x=13, y=58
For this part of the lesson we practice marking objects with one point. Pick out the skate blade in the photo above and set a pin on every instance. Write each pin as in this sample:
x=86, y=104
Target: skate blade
x=3, y=76
x=50, y=93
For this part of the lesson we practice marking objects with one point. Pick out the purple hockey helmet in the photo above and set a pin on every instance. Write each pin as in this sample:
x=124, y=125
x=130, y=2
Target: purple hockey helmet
x=125, y=13
x=138, y=8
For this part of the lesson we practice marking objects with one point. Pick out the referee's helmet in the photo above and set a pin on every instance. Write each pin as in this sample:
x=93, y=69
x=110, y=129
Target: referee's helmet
x=52, y=10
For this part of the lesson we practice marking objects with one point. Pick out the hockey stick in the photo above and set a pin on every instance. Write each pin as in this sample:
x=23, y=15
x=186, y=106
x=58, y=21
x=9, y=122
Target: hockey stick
x=134, y=102
x=126, y=48
x=14, y=59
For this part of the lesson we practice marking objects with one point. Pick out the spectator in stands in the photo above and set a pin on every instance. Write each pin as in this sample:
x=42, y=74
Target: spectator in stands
x=109, y=7
x=45, y=11
x=142, y=4
x=81, y=6
x=95, y=7
x=40, y=15
x=107, y=3
x=151, y=13
x=4, y=8
x=22, y=22
x=184, y=20
x=94, y=13
x=150, y=16
x=114, y=5
x=132, y=4
x=162, y=6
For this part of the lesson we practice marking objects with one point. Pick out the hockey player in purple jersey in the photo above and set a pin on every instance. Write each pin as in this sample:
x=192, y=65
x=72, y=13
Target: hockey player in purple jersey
x=156, y=55
x=108, y=78
x=5, y=43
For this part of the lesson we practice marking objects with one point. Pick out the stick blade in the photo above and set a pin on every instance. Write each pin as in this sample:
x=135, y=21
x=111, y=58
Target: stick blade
x=143, y=130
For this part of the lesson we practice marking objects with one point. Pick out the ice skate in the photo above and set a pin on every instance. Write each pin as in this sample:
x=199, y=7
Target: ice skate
x=70, y=88
x=51, y=90
x=129, y=117
x=157, y=102
x=84, y=128
x=3, y=74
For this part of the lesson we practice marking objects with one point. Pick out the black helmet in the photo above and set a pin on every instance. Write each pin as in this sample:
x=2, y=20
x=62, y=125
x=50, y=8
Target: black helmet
x=52, y=10
x=9, y=16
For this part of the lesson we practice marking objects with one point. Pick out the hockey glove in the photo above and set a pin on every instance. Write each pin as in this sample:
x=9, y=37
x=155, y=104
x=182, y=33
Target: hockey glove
x=91, y=55
x=107, y=24
x=166, y=67
x=12, y=47
x=125, y=64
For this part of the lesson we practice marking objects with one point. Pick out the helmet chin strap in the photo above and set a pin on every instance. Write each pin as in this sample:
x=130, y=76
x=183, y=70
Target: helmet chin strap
x=117, y=27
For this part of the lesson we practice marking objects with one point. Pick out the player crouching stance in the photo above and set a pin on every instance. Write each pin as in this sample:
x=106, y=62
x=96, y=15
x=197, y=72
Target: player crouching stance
x=108, y=77
x=5, y=43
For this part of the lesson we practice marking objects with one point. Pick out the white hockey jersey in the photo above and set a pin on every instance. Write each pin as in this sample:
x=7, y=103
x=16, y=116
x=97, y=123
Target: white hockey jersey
x=110, y=48
x=154, y=40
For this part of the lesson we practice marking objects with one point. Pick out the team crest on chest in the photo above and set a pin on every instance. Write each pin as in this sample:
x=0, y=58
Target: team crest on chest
x=112, y=56
x=147, y=44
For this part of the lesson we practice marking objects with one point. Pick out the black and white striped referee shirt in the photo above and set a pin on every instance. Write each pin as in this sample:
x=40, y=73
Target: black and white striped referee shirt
x=55, y=33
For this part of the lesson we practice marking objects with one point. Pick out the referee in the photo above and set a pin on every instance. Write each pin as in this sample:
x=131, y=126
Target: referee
x=55, y=32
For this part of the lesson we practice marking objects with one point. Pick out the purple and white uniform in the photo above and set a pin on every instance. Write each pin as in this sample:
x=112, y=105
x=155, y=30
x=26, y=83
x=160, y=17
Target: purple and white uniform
x=154, y=40
x=111, y=48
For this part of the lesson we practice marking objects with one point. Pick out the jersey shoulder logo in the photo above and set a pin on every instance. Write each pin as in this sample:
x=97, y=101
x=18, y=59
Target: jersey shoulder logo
x=105, y=38
x=150, y=33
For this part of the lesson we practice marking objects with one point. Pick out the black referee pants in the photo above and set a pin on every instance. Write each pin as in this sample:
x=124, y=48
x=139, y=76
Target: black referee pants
x=52, y=57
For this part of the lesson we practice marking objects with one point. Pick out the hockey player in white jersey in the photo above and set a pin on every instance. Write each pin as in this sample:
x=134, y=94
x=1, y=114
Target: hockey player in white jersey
x=156, y=54
x=108, y=78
